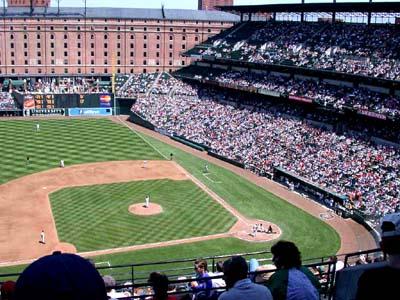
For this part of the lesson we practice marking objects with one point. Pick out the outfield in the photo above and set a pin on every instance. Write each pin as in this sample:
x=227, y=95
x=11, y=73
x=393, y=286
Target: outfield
x=83, y=141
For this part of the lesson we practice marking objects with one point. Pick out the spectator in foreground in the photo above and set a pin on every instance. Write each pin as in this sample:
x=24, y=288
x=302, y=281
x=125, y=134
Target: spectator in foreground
x=7, y=290
x=62, y=277
x=382, y=283
x=203, y=285
x=291, y=281
x=160, y=282
x=239, y=285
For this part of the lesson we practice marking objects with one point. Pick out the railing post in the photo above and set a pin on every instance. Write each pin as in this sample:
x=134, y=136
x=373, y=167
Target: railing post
x=132, y=275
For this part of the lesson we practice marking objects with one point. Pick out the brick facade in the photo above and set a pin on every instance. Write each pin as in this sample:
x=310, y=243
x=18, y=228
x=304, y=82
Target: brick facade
x=72, y=46
x=211, y=4
x=26, y=3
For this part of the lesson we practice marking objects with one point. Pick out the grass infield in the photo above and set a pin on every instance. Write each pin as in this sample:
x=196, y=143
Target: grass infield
x=97, y=217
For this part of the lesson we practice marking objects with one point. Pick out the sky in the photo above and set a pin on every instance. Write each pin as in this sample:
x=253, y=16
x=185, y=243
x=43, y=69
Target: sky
x=184, y=4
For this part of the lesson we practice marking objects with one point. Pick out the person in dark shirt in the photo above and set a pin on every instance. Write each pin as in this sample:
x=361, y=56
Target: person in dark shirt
x=382, y=283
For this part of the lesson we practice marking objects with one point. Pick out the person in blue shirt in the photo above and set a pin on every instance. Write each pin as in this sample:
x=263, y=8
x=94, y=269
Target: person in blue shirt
x=202, y=287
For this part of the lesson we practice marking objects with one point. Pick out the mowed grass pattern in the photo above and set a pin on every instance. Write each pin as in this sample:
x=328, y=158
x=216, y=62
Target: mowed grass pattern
x=97, y=217
x=73, y=140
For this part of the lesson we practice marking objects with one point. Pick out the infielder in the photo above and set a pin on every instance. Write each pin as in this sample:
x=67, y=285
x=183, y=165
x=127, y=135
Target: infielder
x=42, y=237
x=37, y=127
x=62, y=163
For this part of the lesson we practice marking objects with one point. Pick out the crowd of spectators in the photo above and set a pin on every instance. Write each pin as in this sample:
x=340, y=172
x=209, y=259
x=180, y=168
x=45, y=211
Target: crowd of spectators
x=7, y=102
x=130, y=86
x=79, y=85
x=370, y=50
x=264, y=135
x=321, y=92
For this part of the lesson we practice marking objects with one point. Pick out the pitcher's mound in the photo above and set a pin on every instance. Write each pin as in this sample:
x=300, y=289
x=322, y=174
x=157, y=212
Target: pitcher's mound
x=141, y=210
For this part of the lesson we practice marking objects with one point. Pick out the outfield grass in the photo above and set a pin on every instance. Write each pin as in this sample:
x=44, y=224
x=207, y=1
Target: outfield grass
x=97, y=217
x=314, y=237
x=73, y=140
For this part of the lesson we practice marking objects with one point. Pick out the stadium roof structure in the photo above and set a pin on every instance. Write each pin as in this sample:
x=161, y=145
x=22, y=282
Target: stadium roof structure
x=118, y=13
x=382, y=7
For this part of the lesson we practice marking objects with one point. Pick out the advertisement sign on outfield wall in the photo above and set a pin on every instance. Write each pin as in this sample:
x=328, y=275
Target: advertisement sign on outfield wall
x=89, y=112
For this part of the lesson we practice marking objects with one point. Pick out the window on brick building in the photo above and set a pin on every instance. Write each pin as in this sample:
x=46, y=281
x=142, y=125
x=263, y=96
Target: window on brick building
x=79, y=45
x=105, y=53
x=25, y=36
x=183, y=62
x=170, y=46
x=38, y=45
x=65, y=37
x=25, y=62
x=25, y=45
x=12, y=45
x=51, y=45
x=92, y=62
x=144, y=54
x=12, y=36
x=12, y=54
x=131, y=71
x=40, y=71
x=170, y=54
x=26, y=71
x=118, y=62
x=171, y=38
x=65, y=28
x=66, y=70
x=131, y=45
x=92, y=36
x=53, y=70
x=79, y=36
x=39, y=53
x=52, y=62
x=65, y=45
x=118, y=53
x=105, y=62
x=158, y=37
x=92, y=70
x=65, y=53
x=158, y=46
x=145, y=63
x=183, y=46
x=157, y=54
x=184, y=29
x=105, y=36
x=119, y=45
x=170, y=62
x=131, y=54
x=39, y=61
x=79, y=53
x=144, y=46
x=105, y=70
x=196, y=30
x=92, y=45
x=145, y=29
x=65, y=61
x=52, y=36
x=196, y=38
x=183, y=38
x=79, y=71
x=132, y=36
x=105, y=45
x=158, y=28
x=52, y=53
x=118, y=36
x=13, y=71
x=51, y=27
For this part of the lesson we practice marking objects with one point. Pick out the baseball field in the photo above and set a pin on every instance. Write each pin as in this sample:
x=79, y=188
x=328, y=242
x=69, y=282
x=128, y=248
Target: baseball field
x=85, y=207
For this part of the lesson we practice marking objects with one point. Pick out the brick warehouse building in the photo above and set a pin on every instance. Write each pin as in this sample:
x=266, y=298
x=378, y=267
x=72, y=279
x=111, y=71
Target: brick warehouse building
x=212, y=4
x=47, y=41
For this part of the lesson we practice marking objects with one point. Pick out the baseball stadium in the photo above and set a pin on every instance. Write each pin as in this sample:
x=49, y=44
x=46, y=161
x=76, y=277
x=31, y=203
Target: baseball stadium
x=256, y=143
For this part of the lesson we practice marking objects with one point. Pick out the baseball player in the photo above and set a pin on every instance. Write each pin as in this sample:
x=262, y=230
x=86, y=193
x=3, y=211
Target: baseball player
x=37, y=127
x=62, y=163
x=144, y=164
x=42, y=237
x=147, y=200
